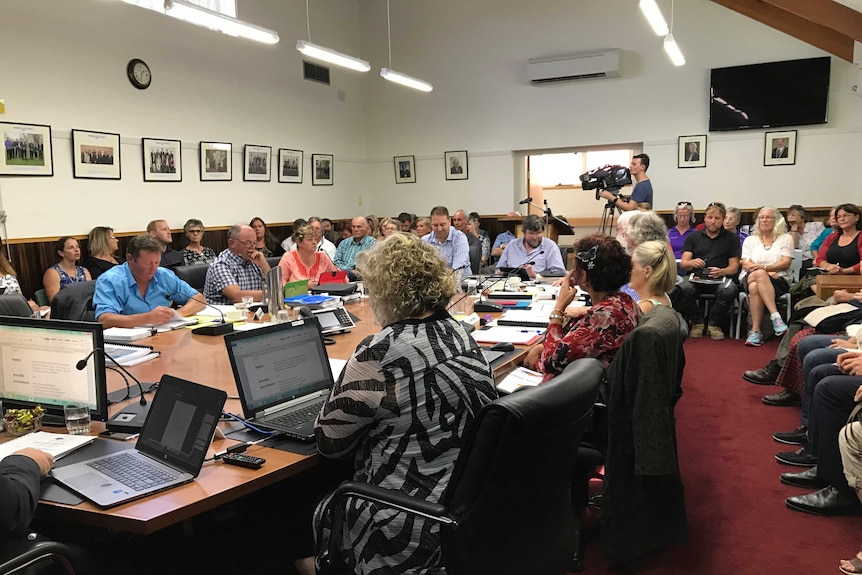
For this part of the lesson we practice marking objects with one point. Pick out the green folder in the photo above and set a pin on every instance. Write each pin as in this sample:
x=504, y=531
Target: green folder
x=296, y=288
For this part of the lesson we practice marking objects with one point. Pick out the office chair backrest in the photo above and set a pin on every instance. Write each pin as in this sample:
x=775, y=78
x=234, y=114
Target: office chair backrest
x=194, y=275
x=510, y=489
x=475, y=258
x=14, y=304
x=75, y=302
x=273, y=261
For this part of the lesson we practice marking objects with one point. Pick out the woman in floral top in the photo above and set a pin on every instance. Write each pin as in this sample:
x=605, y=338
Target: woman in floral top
x=601, y=268
x=194, y=253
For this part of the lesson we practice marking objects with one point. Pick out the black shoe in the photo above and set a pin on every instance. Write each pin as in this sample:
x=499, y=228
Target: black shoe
x=800, y=457
x=798, y=436
x=829, y=501
x=766, y=375
x=807, y=479
x=783, y=399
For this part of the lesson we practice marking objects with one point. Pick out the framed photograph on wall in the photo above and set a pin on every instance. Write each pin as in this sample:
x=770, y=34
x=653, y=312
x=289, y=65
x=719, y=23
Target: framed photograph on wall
x=456, y=165
x=163, y=160
x=95, y=155
x=28, y=150
x=216, y=162
x=779, y=148
x=405, y=170
x=321, y=169
x=256, y=163
x=289, y=166
x=692, y=151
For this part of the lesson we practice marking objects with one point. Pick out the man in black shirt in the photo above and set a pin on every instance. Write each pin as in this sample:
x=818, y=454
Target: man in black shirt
x=712, y=256
x=160, y=230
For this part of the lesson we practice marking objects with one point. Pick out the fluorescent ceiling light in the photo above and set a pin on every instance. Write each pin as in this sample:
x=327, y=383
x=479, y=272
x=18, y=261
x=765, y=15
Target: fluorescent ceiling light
x=654, y=16
x=405, y=80
x=331, y=56
x=200, y=16
x=673, y=51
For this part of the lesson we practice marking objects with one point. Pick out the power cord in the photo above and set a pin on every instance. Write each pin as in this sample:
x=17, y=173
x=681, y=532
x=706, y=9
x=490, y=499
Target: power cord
x=268, y=432
x=239, y=447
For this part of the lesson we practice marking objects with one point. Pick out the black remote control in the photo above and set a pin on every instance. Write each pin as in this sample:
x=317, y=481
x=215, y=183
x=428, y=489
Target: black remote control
x=243, y=460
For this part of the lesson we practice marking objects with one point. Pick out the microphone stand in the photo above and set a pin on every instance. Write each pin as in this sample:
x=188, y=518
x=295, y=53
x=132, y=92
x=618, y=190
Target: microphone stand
x=211, y=329
x=131, y=418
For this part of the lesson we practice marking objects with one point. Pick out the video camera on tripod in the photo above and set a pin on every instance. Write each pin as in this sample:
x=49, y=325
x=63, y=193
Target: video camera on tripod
x=610, y=178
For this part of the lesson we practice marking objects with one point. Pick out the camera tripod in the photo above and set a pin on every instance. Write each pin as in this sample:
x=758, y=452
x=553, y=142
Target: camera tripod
x=606, y=225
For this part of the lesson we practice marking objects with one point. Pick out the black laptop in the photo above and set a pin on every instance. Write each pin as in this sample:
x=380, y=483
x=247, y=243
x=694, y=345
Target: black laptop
x=282, y=375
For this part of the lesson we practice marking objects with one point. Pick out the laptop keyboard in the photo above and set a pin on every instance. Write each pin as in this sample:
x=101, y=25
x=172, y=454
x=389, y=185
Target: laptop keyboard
x=132, y=472
x=294, y=418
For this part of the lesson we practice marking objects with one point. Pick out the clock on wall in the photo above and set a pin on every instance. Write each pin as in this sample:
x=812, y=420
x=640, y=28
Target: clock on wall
x=139, y=74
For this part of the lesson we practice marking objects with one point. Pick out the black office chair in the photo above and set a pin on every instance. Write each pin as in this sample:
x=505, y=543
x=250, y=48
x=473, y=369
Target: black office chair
x=507, y=508
x=31, y=554
x=194, y=275
x=273, y=261
x=642, y=504
x=475, y=258
x=14, y=304
x=75, y=302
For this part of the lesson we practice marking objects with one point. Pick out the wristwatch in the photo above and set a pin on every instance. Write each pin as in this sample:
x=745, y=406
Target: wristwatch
x=557, y=315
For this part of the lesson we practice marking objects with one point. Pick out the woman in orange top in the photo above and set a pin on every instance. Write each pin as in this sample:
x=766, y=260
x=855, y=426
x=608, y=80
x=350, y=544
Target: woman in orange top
x=305, y=263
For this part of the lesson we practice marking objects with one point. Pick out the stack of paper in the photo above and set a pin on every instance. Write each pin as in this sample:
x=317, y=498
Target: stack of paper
x=57, y=444
x=508, y=334
x=519, y=377
x=129, y=355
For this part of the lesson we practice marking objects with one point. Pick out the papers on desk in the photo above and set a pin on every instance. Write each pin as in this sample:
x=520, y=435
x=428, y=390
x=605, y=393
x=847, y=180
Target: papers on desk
x=57, y=444
x=508, y=334
x=525, y=317
x=518, y=378
x=126, y=334
x=129, y=355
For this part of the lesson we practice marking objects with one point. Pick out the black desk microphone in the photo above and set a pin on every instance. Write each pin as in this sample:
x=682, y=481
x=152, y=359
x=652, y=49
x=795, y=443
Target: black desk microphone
x=131, y=418
x=209, y=329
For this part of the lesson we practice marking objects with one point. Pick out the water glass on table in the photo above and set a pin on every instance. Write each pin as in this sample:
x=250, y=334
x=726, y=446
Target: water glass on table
x=77, y=419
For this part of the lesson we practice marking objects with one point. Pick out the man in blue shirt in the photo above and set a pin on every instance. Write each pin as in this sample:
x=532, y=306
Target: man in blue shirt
x=345, y=255
x=450, y=243
x=533, y=247
x=135, y=293
x=642, y=191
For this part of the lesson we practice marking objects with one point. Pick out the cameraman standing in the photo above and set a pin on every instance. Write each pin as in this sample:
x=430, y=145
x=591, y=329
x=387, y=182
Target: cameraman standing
x=642, y=191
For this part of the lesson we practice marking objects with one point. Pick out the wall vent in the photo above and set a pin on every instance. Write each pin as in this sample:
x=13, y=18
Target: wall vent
x=315, y=73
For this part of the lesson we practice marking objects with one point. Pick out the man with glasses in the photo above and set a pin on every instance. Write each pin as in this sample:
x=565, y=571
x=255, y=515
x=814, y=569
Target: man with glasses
x=642, y=190
x=238, y=271
x=711, y=255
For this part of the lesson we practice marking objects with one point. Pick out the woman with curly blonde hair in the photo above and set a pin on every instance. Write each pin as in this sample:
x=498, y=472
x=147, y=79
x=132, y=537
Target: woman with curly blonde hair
x=403, y=403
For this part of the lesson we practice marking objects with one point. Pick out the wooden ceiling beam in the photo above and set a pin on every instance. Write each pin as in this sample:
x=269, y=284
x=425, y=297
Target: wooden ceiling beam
x=818, y=33
x=833, y=15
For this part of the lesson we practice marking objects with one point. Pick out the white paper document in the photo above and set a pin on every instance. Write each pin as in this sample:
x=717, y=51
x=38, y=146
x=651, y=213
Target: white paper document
x=519, y=377
x=57, y=444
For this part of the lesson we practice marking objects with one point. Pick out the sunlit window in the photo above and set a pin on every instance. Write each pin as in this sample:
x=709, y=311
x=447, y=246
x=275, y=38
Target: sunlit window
x=563, y=170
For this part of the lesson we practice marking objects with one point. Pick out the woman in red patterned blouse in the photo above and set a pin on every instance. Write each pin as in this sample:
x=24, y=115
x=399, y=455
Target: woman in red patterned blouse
x=305, y=262
x=601, y=268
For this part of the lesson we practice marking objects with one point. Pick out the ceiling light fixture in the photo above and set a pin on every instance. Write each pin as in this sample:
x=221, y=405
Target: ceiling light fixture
x=654, y=16
x=398, y=77
x=199, y=16
x=671, y=48
x=326, y=54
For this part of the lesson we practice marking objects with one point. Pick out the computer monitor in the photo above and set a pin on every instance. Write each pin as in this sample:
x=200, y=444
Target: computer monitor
x=38, y=360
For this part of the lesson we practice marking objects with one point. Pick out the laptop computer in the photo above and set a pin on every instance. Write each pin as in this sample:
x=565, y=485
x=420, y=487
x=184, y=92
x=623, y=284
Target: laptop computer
x=170, y=450
x=282, y=375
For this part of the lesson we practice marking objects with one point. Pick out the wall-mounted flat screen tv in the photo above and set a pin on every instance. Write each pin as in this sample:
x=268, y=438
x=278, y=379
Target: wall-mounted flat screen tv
x=770, y=95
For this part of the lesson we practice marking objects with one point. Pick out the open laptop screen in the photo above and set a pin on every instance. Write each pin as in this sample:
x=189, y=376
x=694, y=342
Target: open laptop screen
x=276, y=364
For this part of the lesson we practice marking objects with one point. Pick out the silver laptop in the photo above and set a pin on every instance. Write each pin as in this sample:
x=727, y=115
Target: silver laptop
x=169, y=452
x=282, y=376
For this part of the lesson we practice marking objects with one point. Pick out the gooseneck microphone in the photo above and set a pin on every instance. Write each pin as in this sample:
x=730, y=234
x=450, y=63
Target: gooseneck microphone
x=525, y=201
x=131, y=418
x=209, y=329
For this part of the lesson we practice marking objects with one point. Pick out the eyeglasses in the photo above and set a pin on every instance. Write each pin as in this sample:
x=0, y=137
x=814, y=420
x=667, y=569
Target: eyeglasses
x=766, y=217
x=589, y=256
x=247, y=244
x=195, y=231
x=843, y=215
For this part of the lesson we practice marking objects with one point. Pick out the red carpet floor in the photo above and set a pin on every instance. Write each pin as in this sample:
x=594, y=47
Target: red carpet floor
x=738, y=523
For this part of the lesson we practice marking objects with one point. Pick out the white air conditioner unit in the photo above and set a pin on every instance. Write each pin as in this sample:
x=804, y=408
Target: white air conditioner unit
x=585, y=66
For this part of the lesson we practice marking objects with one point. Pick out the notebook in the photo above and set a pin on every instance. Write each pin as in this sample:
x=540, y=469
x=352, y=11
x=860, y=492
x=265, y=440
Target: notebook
x=282, y=375
x=170, y=451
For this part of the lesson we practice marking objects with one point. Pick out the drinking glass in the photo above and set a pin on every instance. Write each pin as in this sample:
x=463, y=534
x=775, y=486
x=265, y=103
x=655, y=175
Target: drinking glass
x=77, y=419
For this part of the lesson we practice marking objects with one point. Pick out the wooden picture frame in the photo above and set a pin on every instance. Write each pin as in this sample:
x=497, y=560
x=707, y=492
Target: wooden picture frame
x=455, y=164
x=256, y=162
x=779, y=148
x=216, y=161
x=96, y=155
x=290, y=166
x=691, y=151
x=322, y=168
x=27, y=150
x=405, y=169
x=163, y=160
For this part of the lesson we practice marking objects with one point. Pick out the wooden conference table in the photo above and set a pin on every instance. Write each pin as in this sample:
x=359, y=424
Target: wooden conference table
x=204, y=360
